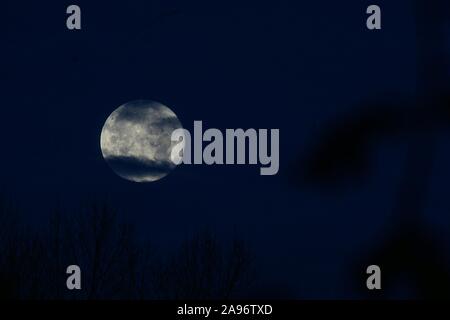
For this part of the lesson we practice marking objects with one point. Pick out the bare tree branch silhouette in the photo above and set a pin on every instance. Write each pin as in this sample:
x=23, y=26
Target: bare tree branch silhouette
x=343, y=152
x=114, y=264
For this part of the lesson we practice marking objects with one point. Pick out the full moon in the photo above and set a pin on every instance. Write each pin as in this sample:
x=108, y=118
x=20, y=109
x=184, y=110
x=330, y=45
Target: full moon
x=136, y=140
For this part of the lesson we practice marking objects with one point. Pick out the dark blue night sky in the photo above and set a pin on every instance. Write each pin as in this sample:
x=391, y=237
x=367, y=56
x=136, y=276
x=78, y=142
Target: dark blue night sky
x=300, y=66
